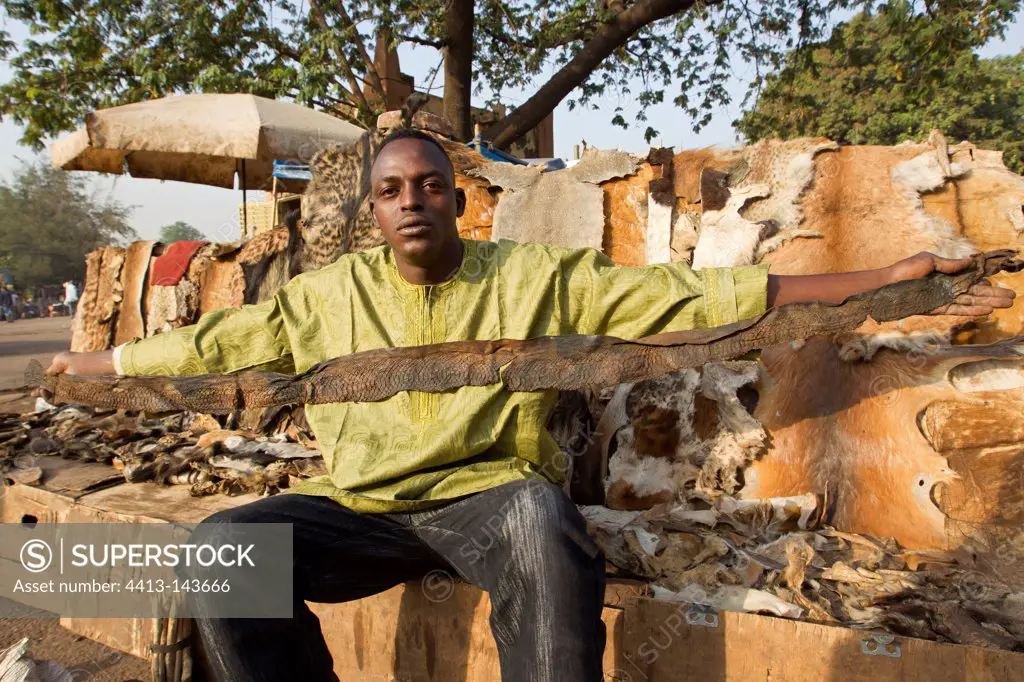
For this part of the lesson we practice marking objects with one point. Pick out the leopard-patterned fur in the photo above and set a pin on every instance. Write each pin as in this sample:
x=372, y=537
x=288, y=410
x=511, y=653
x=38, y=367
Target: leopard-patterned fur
x=336, y=212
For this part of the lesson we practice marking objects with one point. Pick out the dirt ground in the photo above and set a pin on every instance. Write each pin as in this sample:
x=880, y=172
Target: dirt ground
x=20, y=342
x=48, y=641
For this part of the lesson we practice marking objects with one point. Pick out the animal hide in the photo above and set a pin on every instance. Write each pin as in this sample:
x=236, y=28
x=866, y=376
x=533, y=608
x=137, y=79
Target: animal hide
x=781, y=557
x=130, y=322
x=896, y=202
x=564, y=207
x=727, y=239
x=920, y=446
x=683, y=432
x=266, y=262
x=180, y=449
x=336, y=214
x=787, y=168
x=755, y=205
x=171, y=307
x=96, y=317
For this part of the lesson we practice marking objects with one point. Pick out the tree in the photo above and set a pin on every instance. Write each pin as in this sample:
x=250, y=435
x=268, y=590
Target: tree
x=894, y=75
x=91, y=54
x=180, y=231
x=49, y=221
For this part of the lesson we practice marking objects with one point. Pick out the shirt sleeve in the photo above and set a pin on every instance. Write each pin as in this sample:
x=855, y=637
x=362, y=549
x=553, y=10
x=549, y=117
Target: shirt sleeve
x=634, y=302
x=222, y=341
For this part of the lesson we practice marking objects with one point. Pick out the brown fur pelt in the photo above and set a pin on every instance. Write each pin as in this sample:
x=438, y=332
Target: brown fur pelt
x=267, y=261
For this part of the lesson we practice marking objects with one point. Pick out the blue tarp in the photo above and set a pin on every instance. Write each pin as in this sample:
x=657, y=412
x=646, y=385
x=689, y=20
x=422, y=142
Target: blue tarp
x=488, y=152
x=292, y=170
x=492, y=154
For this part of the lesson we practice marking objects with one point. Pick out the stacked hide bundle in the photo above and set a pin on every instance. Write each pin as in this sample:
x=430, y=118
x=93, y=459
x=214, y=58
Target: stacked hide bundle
x=180, y=449
x=775, y=556
x=120, y=300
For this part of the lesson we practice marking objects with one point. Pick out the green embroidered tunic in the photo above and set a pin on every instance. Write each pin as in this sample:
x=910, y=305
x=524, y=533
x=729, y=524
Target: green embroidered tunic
x=418, y=449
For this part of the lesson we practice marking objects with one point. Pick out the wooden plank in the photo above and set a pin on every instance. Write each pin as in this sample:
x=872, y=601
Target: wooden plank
x=408, y=635
x=659, y=645
x=30, y=504
x=76, y=479
x=138, y=503
x=148, y=502
x=986, y=665
x=128, y=635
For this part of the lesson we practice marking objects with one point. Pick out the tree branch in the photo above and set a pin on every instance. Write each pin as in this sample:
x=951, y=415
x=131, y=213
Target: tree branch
x=436, y=44
x=371, y=68
x=616, y=31
x=361, y=103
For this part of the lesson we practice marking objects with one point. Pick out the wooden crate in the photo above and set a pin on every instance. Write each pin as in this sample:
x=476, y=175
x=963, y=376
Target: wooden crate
x=402, y=636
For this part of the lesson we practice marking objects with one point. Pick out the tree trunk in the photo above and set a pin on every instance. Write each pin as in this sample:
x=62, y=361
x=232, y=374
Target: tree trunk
x=613, y=34
x=458, y=67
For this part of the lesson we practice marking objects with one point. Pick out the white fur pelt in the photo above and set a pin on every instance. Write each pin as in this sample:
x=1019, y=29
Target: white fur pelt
x=921, y=174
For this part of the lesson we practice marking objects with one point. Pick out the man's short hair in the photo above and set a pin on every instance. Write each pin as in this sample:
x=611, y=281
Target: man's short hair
x=412, y=134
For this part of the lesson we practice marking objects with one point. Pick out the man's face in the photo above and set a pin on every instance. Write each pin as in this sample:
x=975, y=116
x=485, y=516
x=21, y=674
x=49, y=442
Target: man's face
x=414, y=200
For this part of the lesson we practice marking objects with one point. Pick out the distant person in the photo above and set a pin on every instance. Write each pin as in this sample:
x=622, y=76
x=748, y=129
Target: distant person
x=6, y=304
x=70, y=297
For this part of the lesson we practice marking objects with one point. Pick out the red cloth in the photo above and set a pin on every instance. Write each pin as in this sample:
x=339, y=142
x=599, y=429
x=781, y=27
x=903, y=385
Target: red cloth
x=171, y=266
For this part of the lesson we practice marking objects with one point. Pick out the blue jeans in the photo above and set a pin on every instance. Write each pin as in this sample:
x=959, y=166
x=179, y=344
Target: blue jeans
x=523, y=542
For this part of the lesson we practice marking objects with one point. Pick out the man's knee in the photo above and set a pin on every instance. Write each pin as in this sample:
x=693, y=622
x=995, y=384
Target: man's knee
x=540, y=515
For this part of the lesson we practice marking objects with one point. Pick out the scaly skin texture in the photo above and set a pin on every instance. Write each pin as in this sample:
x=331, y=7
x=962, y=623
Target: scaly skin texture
x=564, y=363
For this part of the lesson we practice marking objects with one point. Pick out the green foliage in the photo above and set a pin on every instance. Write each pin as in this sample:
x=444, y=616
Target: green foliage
x=49, y=221
x=89, y=54
x=180, y=231
x=894, y=75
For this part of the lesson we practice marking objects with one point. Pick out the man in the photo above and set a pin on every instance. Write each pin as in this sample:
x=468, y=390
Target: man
x=463, y=481
x=6, y=303
x=70, y=297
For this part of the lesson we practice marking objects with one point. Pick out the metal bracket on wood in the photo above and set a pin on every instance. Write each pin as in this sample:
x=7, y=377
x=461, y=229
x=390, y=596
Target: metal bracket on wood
x=881, y=645
x=705, y=616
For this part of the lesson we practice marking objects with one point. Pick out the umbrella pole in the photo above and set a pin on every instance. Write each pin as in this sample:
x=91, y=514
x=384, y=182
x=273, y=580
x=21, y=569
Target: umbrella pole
x=245, y=206
x=273, y=211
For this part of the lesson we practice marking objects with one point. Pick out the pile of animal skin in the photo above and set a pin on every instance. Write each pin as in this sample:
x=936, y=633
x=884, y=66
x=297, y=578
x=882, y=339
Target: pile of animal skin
x=774, y=556
x=210, y=455
x=770, y=556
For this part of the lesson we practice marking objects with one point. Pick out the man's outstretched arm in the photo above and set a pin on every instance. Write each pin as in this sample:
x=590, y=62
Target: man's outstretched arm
x=222, y=341
x=981, y=299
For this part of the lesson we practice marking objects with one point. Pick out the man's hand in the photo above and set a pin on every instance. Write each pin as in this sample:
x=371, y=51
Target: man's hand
x=62, y=363
x=981, y=299
x=66, y=362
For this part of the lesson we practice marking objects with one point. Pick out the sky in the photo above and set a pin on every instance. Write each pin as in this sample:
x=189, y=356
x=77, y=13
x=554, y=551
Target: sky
x=214, y=211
